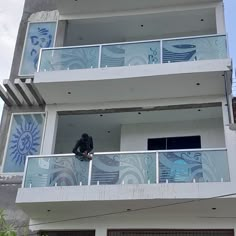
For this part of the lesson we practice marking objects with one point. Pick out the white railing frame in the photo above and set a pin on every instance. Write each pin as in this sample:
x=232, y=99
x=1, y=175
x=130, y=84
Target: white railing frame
x=130, y=42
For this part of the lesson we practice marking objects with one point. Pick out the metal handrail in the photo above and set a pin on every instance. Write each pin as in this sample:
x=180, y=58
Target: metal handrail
x=130, y=152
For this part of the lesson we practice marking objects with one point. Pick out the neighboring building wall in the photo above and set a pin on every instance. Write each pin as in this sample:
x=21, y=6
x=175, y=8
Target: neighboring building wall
x=234, y=109
x=8, y=191
x=134, y=137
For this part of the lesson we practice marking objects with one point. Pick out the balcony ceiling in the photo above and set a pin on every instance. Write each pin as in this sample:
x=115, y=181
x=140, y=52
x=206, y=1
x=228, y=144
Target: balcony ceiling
x=106, y=128
x=61, y=202
x=68, y=7
x=141, y=27
x=56, y=90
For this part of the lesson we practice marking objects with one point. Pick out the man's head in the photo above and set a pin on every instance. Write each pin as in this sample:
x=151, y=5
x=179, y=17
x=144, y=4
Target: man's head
x=85, y=136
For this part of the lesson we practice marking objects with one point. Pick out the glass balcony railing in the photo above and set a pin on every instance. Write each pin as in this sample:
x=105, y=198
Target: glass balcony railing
x=193, y=166
x=134, y=53
x=182, y=166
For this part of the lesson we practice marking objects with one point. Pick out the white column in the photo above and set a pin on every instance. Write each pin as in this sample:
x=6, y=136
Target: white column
x=220, y=19
x=101, y=231
x=230, y=142
x=48, y=143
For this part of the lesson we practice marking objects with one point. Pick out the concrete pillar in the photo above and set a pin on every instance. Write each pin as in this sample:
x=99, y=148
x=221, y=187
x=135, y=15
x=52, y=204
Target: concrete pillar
x=220, y=19
x=230, y=142
x=60, y=34
x=49, y=139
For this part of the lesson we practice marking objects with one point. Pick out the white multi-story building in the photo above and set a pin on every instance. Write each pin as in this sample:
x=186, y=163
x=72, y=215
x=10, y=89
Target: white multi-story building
x=150, y=81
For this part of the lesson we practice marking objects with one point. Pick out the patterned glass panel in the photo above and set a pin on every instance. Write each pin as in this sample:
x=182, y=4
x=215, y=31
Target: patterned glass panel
x=206, y=48
x=201, y=166
x=59, y=171
x=69, y=58
x=25, y=139
x=40, y=35
x=130, y=54
x=132, y=168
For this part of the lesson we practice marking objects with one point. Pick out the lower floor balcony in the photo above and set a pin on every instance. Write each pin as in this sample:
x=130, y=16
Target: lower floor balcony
x=148, y=167
x=129, y=190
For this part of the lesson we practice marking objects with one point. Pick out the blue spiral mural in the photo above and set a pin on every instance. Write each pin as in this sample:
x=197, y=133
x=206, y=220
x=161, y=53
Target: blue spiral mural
x=130, y=54
x=194, y=49
x=40, y=35
x=60, y=171
x=128, y=168
x=185, y=167
x=69, y=58
x=25, y=139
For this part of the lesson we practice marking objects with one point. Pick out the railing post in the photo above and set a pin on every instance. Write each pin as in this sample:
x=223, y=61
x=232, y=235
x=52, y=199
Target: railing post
x=157, y=167
x=100, y=56
x=161, y=52
x=25, y=171
x=90, y=172
x=39, y=60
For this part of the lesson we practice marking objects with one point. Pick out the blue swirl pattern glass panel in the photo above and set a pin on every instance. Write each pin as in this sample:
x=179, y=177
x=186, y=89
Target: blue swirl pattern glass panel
x=130, y=54
x=206, y=48
x=132, y=168
x=40, y=35
x=201, y=166
x=69, y=58
x=56, y=171
x=25, y=139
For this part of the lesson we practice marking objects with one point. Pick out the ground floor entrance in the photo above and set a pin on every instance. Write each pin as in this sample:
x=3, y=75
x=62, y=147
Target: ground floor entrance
x=154, y=232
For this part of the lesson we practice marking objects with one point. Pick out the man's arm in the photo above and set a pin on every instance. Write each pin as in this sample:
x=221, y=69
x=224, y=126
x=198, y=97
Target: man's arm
x=91, y=144
x=75, y=151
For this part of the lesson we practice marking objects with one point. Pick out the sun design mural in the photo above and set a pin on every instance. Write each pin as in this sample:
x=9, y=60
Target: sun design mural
x=25, y=137
x=25, y=142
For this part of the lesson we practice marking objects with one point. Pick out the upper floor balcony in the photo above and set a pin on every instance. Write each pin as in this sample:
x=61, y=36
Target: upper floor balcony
x=136, y=53
x=93, y=69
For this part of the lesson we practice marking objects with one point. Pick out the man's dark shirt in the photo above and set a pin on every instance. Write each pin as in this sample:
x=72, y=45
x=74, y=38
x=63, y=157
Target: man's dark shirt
x=83, y=145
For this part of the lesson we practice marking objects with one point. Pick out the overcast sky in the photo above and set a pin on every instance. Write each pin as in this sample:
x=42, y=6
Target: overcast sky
x=11, y=11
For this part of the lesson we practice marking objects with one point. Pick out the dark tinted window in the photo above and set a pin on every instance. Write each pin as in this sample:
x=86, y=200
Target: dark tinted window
x=187, y=142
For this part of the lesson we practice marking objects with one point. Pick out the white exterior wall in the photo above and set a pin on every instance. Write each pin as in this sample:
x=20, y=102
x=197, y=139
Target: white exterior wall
x=230, y=140
x=135, y=136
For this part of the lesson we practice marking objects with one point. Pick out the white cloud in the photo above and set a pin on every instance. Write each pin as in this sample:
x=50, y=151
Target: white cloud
x=10, y=15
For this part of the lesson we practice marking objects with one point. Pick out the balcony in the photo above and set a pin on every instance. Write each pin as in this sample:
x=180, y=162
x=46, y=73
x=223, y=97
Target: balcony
x=120, y=180
x=116, y=72
x=134, y=53
x=181, y=166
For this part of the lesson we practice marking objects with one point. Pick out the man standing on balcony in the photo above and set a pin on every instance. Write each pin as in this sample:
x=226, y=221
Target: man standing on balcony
x=85, y=145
